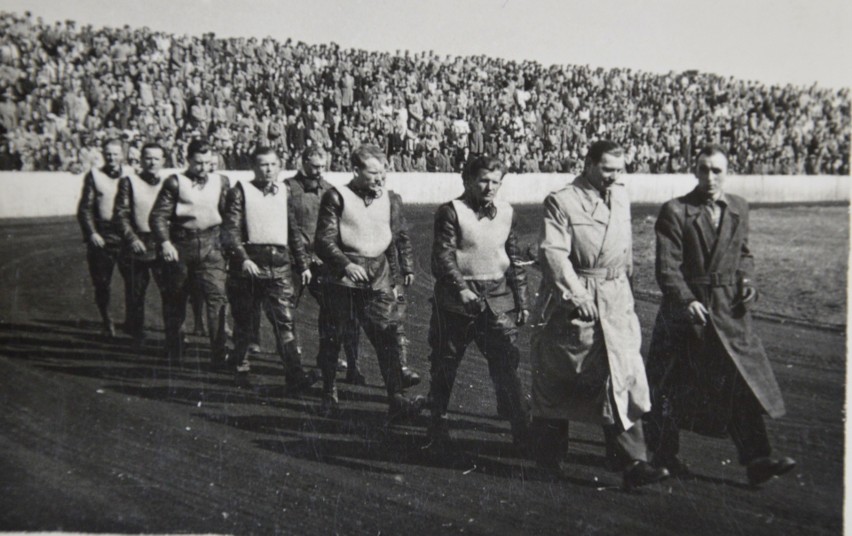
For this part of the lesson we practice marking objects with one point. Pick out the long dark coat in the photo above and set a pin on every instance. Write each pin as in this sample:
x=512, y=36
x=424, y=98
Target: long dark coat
x=691, y=368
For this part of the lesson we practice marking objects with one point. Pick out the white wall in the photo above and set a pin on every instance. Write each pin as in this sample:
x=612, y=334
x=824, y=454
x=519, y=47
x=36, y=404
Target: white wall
x=41, y=194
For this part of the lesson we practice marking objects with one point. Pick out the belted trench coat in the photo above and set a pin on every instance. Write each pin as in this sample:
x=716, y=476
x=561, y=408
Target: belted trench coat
x=590, y=371
x=697, y=261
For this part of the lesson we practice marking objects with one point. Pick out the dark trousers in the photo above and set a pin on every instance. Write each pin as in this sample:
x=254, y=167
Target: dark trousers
x=102, y=262
x=200, y=261
x=622, y=446
x=373, y=310
x=137, y=273
x=326, y=326
x=275, y=296
x=745, y=426
x=496, y=336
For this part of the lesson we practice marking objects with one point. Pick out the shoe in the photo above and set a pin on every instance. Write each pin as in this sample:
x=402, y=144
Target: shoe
x=354, y=377
x=763, y=469
x=675, y=466
x=254, y=348
x=641, y=473
x=342, y=365
x=409, y=378
x=402, y=408
x=302, y=381
x=330, y=404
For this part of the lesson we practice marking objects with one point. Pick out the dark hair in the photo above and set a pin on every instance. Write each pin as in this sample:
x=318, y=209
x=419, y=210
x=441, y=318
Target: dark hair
x=710, y=149
x=474, y=166
x=112, y=141
x=263, y=150
x=152, y=145
x=198, y=146
x=312, y=151
x=602, y=147
x=365, y=152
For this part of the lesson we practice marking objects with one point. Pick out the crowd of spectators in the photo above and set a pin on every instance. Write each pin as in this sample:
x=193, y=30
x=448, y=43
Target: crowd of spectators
x=65, y=88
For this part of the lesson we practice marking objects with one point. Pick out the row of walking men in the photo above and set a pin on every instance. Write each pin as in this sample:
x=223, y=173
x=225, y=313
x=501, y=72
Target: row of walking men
x=259, y=244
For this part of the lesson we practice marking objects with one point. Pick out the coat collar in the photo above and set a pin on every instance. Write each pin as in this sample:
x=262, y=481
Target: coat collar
x=715, y=242
x=593, y=202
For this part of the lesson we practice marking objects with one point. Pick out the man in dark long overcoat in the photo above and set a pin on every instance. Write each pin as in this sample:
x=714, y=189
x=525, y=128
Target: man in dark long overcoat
x=707, y=368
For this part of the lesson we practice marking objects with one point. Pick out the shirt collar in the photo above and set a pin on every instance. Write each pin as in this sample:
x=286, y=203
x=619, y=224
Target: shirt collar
x=268, y=188
x=482, y=210
x=366, y=194
x=151, y=178
x=198, y=181
x=309, y=184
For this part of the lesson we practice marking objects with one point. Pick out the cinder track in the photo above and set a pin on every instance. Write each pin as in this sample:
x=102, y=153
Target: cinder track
x=98, y=438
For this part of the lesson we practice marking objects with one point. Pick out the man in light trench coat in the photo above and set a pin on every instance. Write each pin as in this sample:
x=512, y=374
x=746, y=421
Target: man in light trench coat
x=586, y=336
x=707, y=368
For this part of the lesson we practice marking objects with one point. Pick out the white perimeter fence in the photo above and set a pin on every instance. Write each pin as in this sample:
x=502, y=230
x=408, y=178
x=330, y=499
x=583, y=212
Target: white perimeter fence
x=42, y=194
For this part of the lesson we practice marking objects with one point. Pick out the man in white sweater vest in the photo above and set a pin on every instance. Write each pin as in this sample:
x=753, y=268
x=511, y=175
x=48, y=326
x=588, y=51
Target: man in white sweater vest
x=354, y=231
x=480, y=296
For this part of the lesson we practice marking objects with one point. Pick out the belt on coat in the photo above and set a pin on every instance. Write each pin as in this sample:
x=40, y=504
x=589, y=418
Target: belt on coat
x=714, y=279
x=613, y=272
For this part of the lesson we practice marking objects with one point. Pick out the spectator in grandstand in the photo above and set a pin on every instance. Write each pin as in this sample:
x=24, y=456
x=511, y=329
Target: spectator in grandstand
x=89, y=77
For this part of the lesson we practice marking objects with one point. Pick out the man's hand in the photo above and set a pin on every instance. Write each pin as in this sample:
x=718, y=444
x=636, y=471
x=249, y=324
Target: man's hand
x=356, y=273
x=306, y=277
x=697, y=313
x=170, y=254
x=407, y=280
x=523, y=316
x=470, y=301
x=749, y=295
x=250, y=268
x=587, y=310
x=97, y=240
x=138, y=247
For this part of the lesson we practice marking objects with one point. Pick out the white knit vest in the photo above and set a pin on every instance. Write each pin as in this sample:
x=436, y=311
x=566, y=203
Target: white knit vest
x=143, y=196
x=199, y=207
x=106, y=188
x=481, y=253
x=266, y=215
x=364, y=229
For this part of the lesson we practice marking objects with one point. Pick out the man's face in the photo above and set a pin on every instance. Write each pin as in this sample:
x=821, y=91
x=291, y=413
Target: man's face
x=152, y=160
x=314, y=167
x=266, y=167
x=483, y=188
x=113, y=156
x=201, y=164
x=371, y=176
x=711, y=172
x=604, y=174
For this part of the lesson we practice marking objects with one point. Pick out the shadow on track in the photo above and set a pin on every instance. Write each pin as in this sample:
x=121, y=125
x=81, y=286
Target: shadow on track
x=359, y=436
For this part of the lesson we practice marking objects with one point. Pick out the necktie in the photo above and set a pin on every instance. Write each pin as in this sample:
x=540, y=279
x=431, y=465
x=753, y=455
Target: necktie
x=714, y=209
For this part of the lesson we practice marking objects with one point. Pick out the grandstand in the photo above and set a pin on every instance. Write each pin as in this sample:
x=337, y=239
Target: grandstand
x=66, y=87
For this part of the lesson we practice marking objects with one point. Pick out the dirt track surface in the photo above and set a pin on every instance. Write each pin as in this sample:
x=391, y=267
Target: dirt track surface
x=96, y=437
